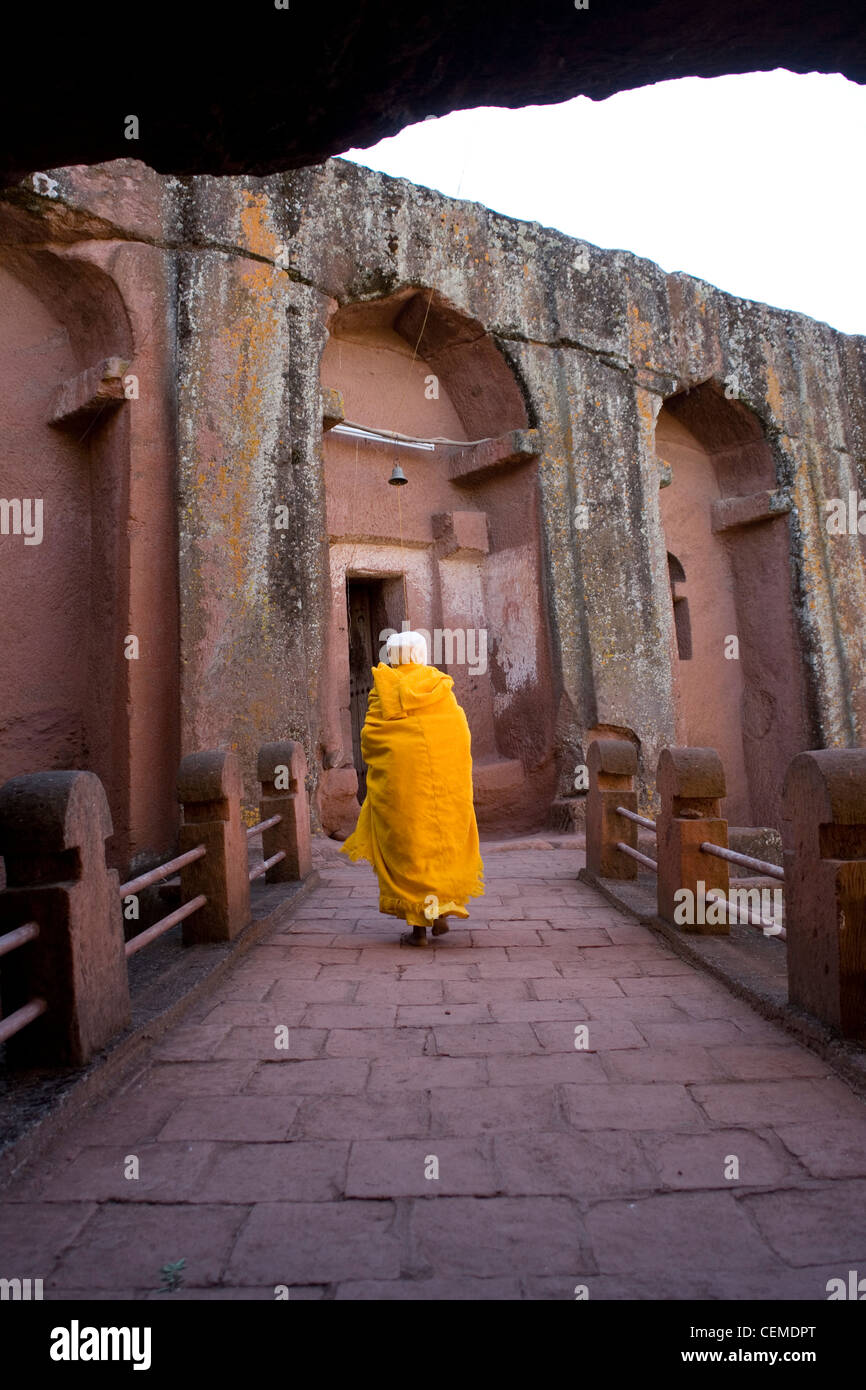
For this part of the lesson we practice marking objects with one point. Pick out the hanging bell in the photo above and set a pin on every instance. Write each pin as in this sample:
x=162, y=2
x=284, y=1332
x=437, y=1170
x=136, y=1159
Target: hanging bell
x=398, y=477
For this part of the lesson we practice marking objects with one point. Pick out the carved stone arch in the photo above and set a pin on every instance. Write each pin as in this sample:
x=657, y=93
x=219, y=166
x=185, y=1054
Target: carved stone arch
x=725, y=520
x=456, y=552
x=66, y=341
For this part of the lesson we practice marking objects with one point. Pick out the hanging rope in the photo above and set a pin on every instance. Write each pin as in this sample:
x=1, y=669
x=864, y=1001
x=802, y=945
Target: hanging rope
x=397, y=455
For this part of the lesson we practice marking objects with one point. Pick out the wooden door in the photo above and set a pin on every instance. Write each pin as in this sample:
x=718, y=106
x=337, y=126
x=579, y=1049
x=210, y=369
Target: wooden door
x=362, y=658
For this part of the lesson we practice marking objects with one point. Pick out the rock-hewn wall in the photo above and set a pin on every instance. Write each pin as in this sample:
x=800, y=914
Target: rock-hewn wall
x=597, y=339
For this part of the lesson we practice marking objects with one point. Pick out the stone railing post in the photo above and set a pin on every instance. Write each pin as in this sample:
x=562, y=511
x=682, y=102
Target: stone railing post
x=612, y=765
x=53, y=828
x=282, y=772
x=690, y=783
x=210, y=788
x=824, y=796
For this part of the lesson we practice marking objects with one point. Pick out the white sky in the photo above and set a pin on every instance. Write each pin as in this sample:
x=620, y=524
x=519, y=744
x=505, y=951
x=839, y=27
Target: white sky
x=753, y=183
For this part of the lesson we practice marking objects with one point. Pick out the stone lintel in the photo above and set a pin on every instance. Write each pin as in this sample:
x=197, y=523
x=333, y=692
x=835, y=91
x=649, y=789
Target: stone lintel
x=91, y=392
x=478, y=461
x=333, y=412
x=728, y=512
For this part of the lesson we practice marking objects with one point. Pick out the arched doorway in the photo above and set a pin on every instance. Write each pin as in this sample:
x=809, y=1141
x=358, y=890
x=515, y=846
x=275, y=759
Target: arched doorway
x=455, y=552
x=63, y=677
x=740, y=680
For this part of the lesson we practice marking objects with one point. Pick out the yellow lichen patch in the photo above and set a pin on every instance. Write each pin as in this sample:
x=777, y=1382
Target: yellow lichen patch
x=640, y=332
x=249, y=337
x=774, y=391
x=258, y=236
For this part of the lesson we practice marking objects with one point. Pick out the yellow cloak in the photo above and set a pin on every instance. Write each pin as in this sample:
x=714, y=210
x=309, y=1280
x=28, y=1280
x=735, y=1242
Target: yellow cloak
x=417, y=824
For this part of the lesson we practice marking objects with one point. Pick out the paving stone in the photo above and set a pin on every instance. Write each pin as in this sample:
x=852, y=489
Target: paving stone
x=773, y=1102
x=400, y=992
x=578, y=1165
x=448, y=974
x=578, y=1068
x=761, y=1063
x=134, y=1117
x=126, y=1245
x=199, y=1078
x=321, y=991
x=656, y=1234
x=703, y=1160
x=700, y=1007
x=511, y=1236
x=578, y=985
x=484, y=991
x=485, y=1039
x=376, y=1042
x=326, y=1076
x=257, y=1118
x=703, y=1033
x=300, y=1293
x=562, y=943
x=294, y=956
x=425, y=1015
x=426, y=1073
x=536, y=968
x=675, y=985
x=296, y=1172
x=622, y=1105
x=403, y=1114
x=195, y=1043
x=431, y=1290
x=815, y=1226
x=538, y=1011
x=684, y=1064
x=34, y=1235
x=456, y=1110
x=265, y=1043
x=247, y=1014
x=649, y=1008
x=398, y=1168
x=350, y=1015
x=829, y=1150
x=698, y=1285
x=167, y=1172
x=499, y=935
x=308, y=1243
x=602, y=1035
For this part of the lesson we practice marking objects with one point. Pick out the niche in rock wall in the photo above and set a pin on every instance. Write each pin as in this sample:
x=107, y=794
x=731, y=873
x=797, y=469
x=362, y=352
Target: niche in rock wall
x=462, y=534
x=740, y=679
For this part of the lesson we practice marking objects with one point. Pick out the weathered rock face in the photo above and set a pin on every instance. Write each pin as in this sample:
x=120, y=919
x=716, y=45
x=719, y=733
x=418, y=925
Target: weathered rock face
x=253, y=272
x=277, y=88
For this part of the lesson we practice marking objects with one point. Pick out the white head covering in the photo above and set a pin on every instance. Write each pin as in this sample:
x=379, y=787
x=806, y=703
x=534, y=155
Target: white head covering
x=405, y=647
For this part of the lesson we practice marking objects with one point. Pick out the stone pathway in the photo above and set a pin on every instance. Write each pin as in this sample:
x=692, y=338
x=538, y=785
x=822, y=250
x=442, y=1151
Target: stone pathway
x=608, y=1166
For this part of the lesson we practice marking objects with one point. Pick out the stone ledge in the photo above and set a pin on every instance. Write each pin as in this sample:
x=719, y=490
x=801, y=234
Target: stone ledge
x=475, y=464
x=37, y=1107
x=89, y=393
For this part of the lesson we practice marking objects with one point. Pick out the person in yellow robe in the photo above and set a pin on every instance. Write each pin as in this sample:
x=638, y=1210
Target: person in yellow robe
x=417, y=825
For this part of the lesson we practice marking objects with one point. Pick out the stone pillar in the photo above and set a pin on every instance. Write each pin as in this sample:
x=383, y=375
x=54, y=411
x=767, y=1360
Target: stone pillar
x=690, y=783
x=210, y=788
x=282, y=773
x=612, y=765
x=53, y=828
x=824, y=797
